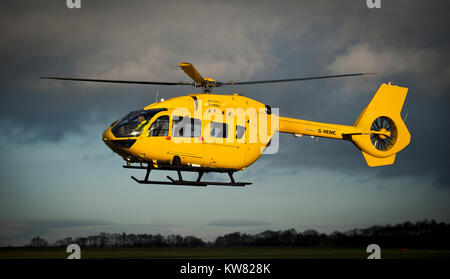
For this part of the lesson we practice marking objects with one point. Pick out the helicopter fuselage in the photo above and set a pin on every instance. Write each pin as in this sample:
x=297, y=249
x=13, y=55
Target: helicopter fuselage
x=206, y=132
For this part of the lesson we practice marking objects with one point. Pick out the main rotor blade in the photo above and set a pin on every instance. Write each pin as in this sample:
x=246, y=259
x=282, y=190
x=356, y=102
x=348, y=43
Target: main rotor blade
x=120, y=81
x=190, y=70
x=293, y=79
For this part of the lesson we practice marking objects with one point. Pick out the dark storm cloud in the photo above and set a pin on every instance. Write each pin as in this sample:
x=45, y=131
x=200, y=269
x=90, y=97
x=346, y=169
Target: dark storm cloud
x=63, y=223
x=238, y=223
x=406, y=42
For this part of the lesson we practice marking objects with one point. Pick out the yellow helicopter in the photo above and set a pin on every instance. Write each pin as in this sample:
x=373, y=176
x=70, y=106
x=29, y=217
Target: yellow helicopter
x=206, y=132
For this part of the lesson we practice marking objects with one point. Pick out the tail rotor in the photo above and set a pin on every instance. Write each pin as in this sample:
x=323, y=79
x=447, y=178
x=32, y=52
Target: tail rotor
x=387, y=135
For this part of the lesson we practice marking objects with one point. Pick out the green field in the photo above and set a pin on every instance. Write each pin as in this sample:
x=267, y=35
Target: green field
x=222, y=253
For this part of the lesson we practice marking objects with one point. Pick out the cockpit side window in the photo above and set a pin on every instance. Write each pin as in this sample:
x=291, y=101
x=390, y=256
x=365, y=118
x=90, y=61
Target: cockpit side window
x=160, y=127
x=134, y=122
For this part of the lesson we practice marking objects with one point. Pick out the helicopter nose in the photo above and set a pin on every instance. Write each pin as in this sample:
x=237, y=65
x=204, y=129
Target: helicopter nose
x=107, y=137
x=120, y=146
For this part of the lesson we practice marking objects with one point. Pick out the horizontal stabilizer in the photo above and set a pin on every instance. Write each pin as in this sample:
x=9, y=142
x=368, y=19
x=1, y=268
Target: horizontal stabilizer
x=375, y=162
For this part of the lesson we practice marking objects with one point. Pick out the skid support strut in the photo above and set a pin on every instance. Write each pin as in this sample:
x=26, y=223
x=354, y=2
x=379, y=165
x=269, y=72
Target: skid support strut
x=181, y=182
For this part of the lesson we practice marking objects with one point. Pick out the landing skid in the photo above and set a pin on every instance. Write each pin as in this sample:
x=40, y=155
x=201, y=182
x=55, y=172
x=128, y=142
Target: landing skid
x=181, y=182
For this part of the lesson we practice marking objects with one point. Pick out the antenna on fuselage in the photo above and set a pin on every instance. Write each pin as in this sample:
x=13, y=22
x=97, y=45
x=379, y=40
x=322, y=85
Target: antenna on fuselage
x=157, y=96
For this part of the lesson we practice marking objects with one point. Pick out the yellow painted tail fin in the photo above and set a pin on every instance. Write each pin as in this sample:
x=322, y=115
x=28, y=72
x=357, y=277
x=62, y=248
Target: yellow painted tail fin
x=383, y=131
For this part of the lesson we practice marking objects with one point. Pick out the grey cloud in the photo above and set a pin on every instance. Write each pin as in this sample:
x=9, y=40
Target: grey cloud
x=389, y=62
x=238, y=223
x=64, y=223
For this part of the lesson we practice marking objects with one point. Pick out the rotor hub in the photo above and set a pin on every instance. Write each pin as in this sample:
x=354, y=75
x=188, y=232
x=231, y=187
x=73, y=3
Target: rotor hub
x=383, y=136
x=384, y=133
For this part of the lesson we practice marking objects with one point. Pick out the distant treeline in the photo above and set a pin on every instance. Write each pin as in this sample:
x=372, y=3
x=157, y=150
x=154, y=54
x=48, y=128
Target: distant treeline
x=423, y=234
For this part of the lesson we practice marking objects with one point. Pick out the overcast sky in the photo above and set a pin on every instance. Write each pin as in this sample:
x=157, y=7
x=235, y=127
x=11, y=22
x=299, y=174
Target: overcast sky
x=58, y=178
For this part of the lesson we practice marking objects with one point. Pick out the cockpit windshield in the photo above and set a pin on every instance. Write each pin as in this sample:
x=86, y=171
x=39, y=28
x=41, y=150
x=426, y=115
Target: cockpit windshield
x=134, y=122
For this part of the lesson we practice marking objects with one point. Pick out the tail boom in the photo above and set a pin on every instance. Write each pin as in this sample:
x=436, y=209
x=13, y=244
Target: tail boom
x=379, y=132
x=316, y=129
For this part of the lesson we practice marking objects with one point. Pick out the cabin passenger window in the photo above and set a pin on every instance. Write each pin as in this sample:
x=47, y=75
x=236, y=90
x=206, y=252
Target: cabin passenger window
x=159, y=128
x=186, y=127
x=240, y=131
x=219, y=130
